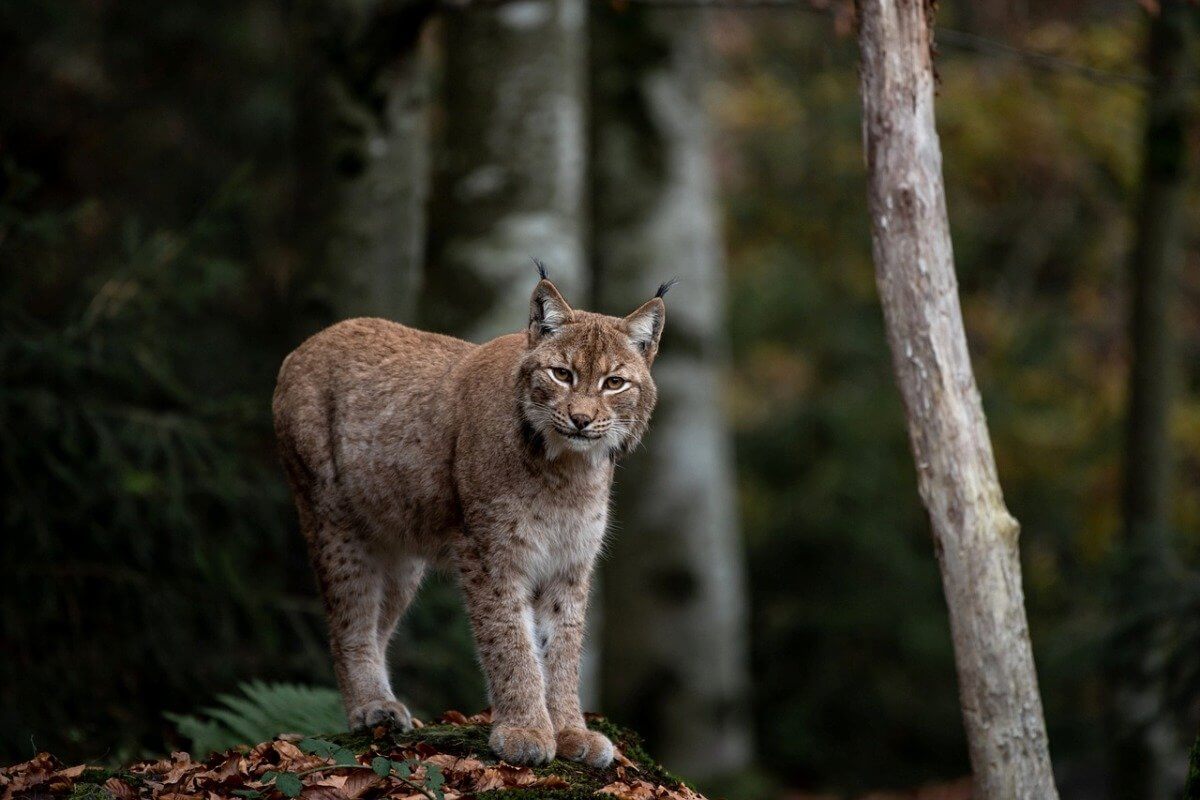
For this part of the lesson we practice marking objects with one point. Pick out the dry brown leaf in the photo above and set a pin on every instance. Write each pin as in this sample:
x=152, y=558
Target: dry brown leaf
x=29, y=775
x=637, y=790
x=446, y=761
x=227, y=768
x=120, y=789
x=322, y=791
x=359, y=782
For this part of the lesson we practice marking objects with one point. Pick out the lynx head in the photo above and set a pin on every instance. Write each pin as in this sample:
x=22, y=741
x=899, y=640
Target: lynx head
x=584, y=384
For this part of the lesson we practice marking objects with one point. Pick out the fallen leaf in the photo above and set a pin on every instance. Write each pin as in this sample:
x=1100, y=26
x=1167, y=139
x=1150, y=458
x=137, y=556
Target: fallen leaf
x=359, y=782
x=120, y=789
x=321, y=791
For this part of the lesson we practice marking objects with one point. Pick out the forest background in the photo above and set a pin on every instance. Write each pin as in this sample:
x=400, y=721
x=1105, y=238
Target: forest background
x=173, y=182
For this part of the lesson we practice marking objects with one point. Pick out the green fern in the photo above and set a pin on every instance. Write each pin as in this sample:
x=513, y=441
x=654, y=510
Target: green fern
x=261, y=712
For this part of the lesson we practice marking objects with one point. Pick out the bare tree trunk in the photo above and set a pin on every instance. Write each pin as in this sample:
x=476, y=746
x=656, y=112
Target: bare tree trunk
x=1148, y=755
x=1153, y=270
x=511, y=179
x=514, y=163
x=975, y=538
x=365, y=108
x=675, y=646
x=378, y=243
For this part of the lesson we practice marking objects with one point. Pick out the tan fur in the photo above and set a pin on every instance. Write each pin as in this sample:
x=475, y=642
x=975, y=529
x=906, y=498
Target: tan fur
x=407, y=449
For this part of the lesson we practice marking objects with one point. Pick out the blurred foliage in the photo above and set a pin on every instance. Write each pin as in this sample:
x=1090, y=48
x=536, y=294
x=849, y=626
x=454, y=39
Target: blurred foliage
x=259, y=713
x=153, y=274
x=851, y=642
x=157, y=220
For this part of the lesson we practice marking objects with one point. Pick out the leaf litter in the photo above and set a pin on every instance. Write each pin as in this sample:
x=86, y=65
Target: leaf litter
x=448, y=760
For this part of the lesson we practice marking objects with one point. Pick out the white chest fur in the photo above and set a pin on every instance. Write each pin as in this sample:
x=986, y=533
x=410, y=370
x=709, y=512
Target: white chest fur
x=563, y=535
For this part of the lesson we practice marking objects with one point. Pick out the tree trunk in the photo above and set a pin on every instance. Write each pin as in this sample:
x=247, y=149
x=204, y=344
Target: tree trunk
x=1153, y=273
x=975, y=538
x=680, y=673
x=514, y=164
x=511, y=179
x=365, y=110
x=1146, y=748
x=378, y=244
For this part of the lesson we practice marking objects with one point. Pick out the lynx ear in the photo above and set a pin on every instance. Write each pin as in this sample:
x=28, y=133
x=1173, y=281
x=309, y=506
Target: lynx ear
x=548, y=312
x=645, y=327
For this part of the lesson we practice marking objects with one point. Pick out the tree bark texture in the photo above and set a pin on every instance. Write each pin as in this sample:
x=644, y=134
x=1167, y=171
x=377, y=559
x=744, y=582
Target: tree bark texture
x=510, y=179
x=675, y=649
x=975, y=537
x=365, y=155
x=513, y=172
x=1147, y=755
x=377, y=245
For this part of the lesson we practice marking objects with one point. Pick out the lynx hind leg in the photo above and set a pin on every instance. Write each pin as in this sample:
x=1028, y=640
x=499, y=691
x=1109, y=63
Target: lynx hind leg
x=353, y=585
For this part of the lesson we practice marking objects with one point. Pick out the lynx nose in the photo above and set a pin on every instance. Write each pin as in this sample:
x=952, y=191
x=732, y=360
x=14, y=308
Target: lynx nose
x=581, y=421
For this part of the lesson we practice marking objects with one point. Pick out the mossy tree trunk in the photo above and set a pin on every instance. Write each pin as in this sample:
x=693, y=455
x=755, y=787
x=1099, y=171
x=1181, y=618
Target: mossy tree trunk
x=365, y=101
x=512, y=169
x=974, y=536
x=1147, y=753
x=679, y=673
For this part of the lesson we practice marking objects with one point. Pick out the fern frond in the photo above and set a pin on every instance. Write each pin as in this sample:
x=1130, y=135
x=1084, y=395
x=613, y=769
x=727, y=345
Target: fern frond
x=261, y=712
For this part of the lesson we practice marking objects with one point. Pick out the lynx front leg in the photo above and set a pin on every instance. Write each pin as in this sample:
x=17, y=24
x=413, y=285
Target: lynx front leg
x=353, y=587
x=560, y=609
x=502, y=621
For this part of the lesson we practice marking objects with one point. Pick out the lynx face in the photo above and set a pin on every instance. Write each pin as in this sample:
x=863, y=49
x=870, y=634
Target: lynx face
x=585, y=382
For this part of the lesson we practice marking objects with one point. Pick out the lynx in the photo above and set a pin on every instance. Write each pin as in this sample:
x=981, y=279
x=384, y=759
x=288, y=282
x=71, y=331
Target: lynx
x=407, y=450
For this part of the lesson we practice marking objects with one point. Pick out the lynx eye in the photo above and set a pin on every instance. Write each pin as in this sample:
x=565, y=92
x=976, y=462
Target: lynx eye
x=614, y=382
x=561, y=375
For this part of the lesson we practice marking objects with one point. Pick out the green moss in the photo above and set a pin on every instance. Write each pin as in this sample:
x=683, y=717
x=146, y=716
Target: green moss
x=96, y=776
x=472, y=740
x=358, y=741
x=90, y=785
x=458, y=740
x=89, y=791
x=631, y=745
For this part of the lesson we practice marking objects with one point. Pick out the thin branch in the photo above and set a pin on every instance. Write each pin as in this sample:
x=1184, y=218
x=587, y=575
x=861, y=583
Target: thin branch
x=1042, y=61
x=961, y=40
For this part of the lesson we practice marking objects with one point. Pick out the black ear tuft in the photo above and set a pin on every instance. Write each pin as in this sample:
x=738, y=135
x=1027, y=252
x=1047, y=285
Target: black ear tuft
x=663, y=288
x=541, y=268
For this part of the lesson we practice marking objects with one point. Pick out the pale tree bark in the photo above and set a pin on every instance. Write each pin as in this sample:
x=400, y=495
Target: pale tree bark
x=511, y=179
x=1147, y=752
x=513, y=172
x=365, y=107
x=975, y=537
x=675, y=650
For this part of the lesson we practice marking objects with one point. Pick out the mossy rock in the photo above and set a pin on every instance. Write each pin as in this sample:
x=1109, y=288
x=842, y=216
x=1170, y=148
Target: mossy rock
x=470, y=740
x=451, y=759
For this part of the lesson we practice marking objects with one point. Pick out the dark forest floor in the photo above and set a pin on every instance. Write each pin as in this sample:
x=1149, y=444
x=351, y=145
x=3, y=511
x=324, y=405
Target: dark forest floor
x=446, y=760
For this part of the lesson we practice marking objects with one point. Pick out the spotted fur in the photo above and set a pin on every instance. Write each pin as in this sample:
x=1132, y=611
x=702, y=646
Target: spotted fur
x=406, y=449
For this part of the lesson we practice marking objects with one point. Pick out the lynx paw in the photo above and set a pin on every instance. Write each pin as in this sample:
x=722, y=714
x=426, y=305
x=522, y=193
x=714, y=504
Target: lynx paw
x=381, y=712
x=580, y=744
x=515, y=745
